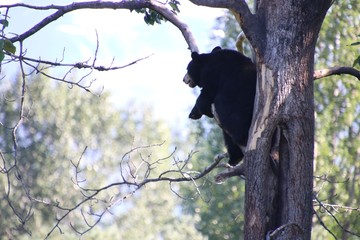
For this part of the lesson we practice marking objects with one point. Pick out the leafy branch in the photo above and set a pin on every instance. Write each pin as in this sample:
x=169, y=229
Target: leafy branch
x=6, y=46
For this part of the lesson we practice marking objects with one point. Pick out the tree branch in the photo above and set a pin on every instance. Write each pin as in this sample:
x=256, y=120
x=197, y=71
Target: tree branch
x=238, y=170
x=214, y=3
x=336, y=71
x=131, y=181
x=131, y=5
x=249, y=22
x=79, y=65
x=171, y=17
x=329, y=212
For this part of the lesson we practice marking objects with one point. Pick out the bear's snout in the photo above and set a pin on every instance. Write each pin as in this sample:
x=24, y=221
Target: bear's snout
x=188, y=80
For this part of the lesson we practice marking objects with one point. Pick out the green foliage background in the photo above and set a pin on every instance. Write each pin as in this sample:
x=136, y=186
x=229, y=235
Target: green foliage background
x=337, y=106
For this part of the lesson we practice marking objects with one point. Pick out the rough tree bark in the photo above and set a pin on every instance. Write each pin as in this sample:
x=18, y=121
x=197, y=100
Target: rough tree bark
x=284, y=99
x=283, y=34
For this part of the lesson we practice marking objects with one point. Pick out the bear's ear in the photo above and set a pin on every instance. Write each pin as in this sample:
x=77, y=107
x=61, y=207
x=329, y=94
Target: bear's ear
x=216, y=49
x=194, y=55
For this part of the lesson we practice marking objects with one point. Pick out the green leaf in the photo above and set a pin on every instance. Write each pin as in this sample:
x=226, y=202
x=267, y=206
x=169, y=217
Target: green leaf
x=357, y=61
x=174, y=7
x=4, y=22
x=9, y=46
x=2, y=56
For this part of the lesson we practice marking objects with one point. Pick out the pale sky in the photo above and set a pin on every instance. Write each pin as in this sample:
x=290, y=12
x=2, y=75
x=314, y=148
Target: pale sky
x=156, y=81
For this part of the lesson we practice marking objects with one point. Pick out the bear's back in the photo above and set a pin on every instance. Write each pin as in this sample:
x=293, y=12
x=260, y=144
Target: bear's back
x=230, y=58
x=231, y=70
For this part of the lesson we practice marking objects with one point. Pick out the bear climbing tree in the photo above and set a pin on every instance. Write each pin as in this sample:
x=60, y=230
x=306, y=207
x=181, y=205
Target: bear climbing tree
x=228, y=82
x=283, y=35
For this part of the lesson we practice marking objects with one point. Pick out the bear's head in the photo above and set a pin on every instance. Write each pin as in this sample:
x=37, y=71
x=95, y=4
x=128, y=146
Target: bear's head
x=195, y=68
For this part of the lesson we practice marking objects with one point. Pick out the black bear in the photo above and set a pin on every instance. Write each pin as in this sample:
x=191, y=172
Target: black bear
x=228, y=82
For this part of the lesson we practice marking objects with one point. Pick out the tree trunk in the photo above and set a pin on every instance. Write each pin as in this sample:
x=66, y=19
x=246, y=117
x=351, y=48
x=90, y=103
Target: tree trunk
x=279, y=203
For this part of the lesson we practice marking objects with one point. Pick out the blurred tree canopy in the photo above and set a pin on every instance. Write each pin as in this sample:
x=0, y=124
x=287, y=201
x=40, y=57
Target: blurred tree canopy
x=63, y=126
x=337, y=167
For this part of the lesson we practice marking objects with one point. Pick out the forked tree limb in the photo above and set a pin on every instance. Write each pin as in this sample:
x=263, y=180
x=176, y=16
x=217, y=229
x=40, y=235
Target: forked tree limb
x=249, y=22
x=237, y=171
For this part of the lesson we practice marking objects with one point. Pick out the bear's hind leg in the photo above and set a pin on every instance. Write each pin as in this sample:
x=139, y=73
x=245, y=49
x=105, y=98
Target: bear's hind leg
x=234, y=151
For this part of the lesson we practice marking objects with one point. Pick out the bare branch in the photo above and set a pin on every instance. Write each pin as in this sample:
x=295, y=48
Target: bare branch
x=132, y=181
x=131, y=5
x=62, y=10
x=336, y=71
x=325, y=178
x=40, y=66
x=81, y=65
x=329, y=211
x=22, y=215
x=323, y=225
x=188, y=177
